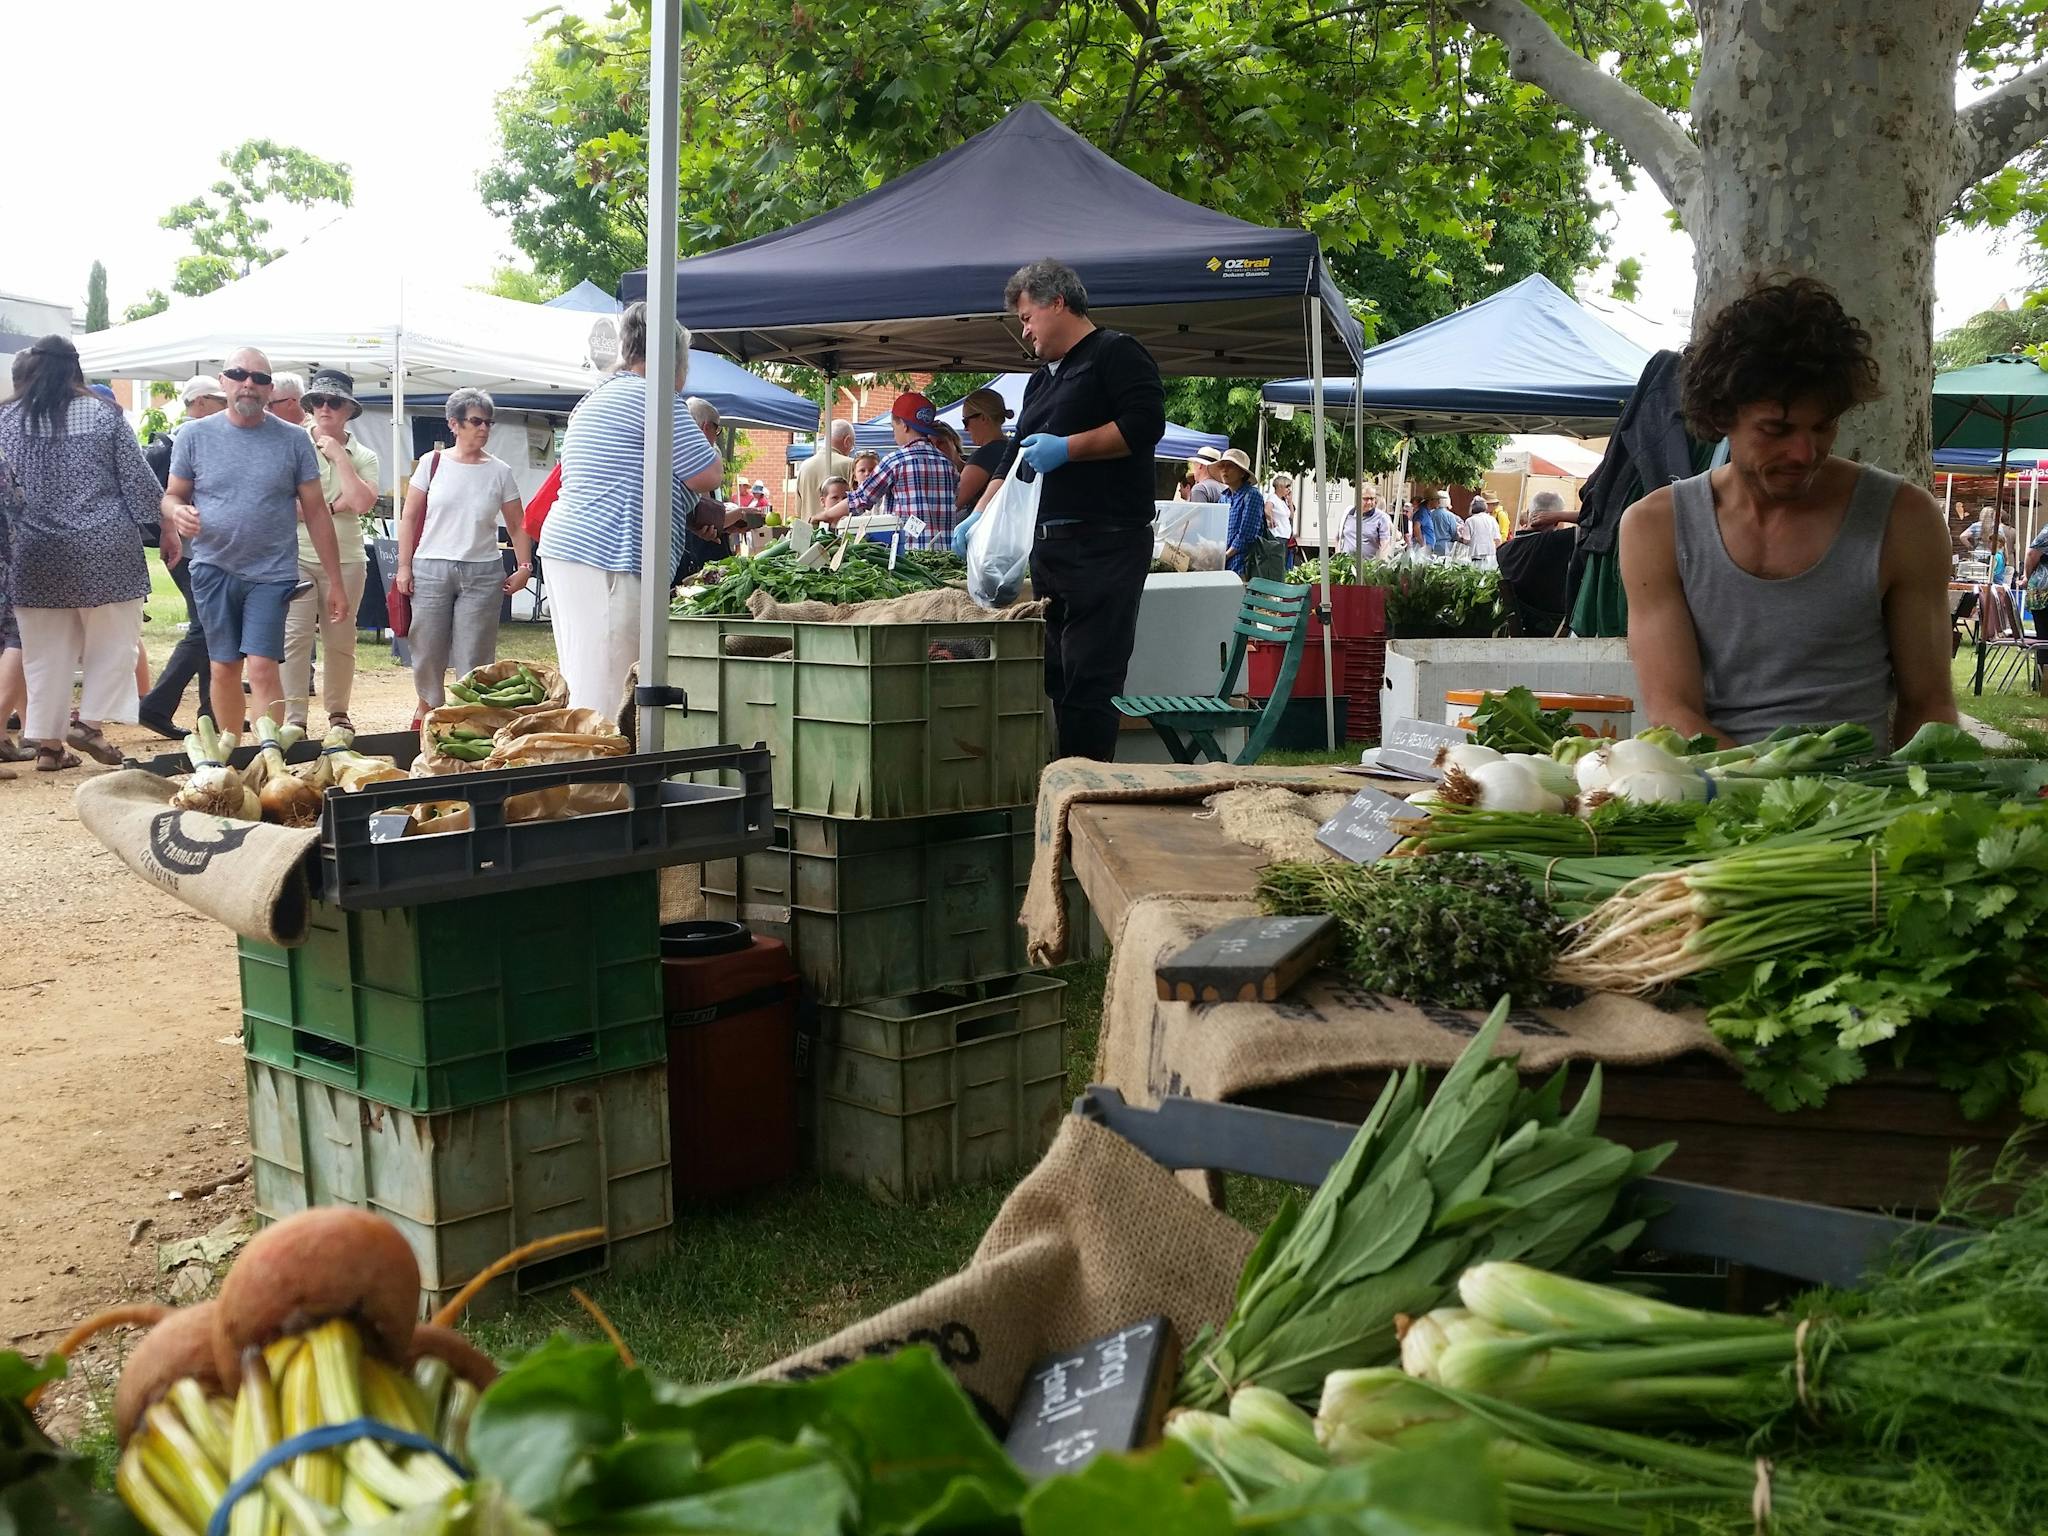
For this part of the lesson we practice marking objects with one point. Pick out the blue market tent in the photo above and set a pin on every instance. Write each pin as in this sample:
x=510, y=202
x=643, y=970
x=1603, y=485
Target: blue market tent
x=1985, y=460
x=742, y=399
x=1178, y=443
x=1526, y=359
x=587, y=297
x=911, y=275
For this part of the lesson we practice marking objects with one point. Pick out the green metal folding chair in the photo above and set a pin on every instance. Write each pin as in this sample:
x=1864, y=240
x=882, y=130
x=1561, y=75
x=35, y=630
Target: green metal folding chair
x=1188, y=723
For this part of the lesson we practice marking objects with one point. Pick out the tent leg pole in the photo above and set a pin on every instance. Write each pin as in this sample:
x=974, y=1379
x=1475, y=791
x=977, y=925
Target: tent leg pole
x=1358, y=474
x=1259, y=453
x=657, y=560
x=1315, y=374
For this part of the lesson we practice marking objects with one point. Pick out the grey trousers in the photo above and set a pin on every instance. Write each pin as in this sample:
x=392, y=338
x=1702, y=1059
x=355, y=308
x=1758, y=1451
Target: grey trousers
x=454, y=621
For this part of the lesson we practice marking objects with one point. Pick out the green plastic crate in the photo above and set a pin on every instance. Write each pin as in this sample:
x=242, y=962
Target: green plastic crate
x=467, y=1186
x=462, y=1002
x=861, y=720
x=887, y=908
x=922, y=1093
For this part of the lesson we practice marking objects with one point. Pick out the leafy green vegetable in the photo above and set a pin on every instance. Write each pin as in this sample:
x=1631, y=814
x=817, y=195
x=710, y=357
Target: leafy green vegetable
x=46, y=1490
x=1515, y=722
x=1939, y=742
x=863, y=576
x=1482, y=1169
x=1424, y=598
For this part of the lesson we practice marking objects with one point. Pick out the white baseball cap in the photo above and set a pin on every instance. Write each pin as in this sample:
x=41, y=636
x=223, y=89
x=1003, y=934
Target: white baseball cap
x=202, y=386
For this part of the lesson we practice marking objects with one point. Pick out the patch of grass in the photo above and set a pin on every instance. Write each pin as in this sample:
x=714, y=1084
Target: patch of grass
x=2019, y=712
x=749, y=1283
x=1344, y=754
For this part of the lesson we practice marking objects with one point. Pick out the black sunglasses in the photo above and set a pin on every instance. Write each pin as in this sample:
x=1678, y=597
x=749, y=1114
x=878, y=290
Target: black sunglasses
x=262, y=380
x=476, y=421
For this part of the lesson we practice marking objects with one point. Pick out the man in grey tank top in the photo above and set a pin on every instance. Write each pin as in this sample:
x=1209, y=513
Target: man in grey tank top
x=1790, y=586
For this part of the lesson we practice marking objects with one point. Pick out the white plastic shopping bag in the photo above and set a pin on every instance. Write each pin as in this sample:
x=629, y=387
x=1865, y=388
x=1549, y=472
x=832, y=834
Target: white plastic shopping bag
x=999, y=550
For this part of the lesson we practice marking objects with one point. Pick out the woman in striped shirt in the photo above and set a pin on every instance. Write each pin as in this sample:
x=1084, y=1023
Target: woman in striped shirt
x=591, y=540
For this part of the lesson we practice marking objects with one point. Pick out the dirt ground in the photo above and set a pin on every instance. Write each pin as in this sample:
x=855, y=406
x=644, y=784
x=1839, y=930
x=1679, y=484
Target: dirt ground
x=121, y=1054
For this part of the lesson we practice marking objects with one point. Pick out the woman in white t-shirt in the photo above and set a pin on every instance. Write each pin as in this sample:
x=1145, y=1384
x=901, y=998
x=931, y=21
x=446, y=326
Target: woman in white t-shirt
x=448, y=550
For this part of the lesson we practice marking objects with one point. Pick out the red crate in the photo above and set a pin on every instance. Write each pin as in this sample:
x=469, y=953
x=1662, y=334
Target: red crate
x=1360, y=668
x=1356, y=613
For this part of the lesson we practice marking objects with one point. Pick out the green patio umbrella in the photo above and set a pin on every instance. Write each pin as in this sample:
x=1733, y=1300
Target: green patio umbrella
x=1995, y=404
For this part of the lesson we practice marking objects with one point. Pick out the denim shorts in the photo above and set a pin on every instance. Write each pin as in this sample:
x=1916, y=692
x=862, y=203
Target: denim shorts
x=241, y=617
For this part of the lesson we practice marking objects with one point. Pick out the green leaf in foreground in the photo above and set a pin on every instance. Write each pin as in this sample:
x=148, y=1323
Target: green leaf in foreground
x=45, y=1490
x=1158, y=1493
x=1445, y=1489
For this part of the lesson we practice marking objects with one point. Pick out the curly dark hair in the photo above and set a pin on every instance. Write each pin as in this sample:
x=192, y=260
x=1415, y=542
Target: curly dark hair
x=1784, y=340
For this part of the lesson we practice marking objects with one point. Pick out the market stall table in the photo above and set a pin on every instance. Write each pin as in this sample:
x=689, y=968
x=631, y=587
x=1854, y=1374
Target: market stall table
x=1882, y=1143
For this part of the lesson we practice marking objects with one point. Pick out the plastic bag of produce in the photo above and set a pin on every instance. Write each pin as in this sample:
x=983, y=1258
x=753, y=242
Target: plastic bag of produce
x=458, y=738
x=560, y=736
x=538, y=677
x=999, y=551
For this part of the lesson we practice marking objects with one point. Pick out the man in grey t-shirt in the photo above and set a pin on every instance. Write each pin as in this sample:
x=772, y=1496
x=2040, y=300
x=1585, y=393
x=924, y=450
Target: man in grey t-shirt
x=241, y=482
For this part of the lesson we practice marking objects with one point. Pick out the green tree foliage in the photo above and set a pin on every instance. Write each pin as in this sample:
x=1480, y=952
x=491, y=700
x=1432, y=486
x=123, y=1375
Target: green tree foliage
x=1397, y=135
x=2007, y=38
x=1989, y=333
x=510, y=282
x=96, y=298
x=558, y=142
x=225, y=223
x=154, y=302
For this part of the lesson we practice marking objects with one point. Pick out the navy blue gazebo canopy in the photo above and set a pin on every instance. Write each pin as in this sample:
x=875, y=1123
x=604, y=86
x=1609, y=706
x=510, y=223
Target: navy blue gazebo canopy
x=911, y=275
x=1526, y=359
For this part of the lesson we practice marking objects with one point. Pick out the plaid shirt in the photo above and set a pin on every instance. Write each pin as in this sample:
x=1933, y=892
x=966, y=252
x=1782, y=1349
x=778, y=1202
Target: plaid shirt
x=914, y=481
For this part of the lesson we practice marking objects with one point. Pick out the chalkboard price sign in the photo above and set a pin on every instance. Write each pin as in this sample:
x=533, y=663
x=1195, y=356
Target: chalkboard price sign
x=1410, y=746
x=1364, y=830
x=1250, y=960
x=1109, y=1394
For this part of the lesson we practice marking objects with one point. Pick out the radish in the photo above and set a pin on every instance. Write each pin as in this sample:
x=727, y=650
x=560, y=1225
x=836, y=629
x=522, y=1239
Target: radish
x=332, y=1261
x=180, y=1346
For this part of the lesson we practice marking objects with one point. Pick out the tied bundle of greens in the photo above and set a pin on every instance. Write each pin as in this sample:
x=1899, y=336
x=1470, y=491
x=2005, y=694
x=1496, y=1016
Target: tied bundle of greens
x=1452, y=929
x=1890, y=924
x=1484, y=1169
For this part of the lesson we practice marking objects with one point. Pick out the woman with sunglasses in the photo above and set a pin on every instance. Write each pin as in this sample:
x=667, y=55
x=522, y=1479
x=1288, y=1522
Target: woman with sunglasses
x=448, y=559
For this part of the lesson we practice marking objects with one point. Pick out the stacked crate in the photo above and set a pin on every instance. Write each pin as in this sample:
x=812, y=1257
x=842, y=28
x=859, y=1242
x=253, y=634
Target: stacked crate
x=484, y=1071
x=906, y=771
x=1358, y=656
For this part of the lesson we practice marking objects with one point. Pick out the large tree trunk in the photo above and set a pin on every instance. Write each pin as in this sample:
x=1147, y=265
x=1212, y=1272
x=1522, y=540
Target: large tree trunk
x=1827, y=147
x=1827, y=143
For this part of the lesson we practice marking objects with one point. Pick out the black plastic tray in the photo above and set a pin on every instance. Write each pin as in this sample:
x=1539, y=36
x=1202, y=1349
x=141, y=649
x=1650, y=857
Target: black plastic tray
x=664, y=823
x=1820, y=1244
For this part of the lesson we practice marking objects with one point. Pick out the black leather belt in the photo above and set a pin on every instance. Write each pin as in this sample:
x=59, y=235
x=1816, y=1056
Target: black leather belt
x=1100, y=533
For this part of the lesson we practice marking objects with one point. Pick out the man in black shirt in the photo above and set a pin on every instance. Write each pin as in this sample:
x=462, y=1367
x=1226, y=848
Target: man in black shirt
x=1090, y=420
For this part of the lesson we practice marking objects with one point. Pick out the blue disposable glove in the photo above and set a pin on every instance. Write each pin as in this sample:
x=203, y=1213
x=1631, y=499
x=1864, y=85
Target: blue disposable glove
x=963, y=533
x=1043, y=452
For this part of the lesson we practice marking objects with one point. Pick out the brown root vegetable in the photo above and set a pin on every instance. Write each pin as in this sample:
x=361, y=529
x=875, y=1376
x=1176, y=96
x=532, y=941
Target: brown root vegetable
x=179, y=1346
x=288, y=801
x=430, y=1340
x=219, y=792
x=333, y=1261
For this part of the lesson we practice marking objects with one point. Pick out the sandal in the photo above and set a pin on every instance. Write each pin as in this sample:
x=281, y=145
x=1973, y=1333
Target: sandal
x=51, y=759
x=95, y=745
x=340, y=723
x=12, y=751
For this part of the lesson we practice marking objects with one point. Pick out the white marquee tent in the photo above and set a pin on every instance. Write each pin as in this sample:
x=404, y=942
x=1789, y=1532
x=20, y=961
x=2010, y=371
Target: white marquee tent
x=344, y=300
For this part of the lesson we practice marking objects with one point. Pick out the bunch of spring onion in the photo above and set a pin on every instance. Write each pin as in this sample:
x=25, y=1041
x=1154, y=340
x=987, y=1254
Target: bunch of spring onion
x=1615, y=828
x=1483, y=779
x=285, y=797
x=214, y=788
x=1430, y=1185
x=1831, y=881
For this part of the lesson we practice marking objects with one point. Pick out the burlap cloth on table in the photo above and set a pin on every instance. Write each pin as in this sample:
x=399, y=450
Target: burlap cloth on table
x=1152, y=1050
x=941, y=605
x=1076, y=781
x=247, y=874
x=1096, y=1236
